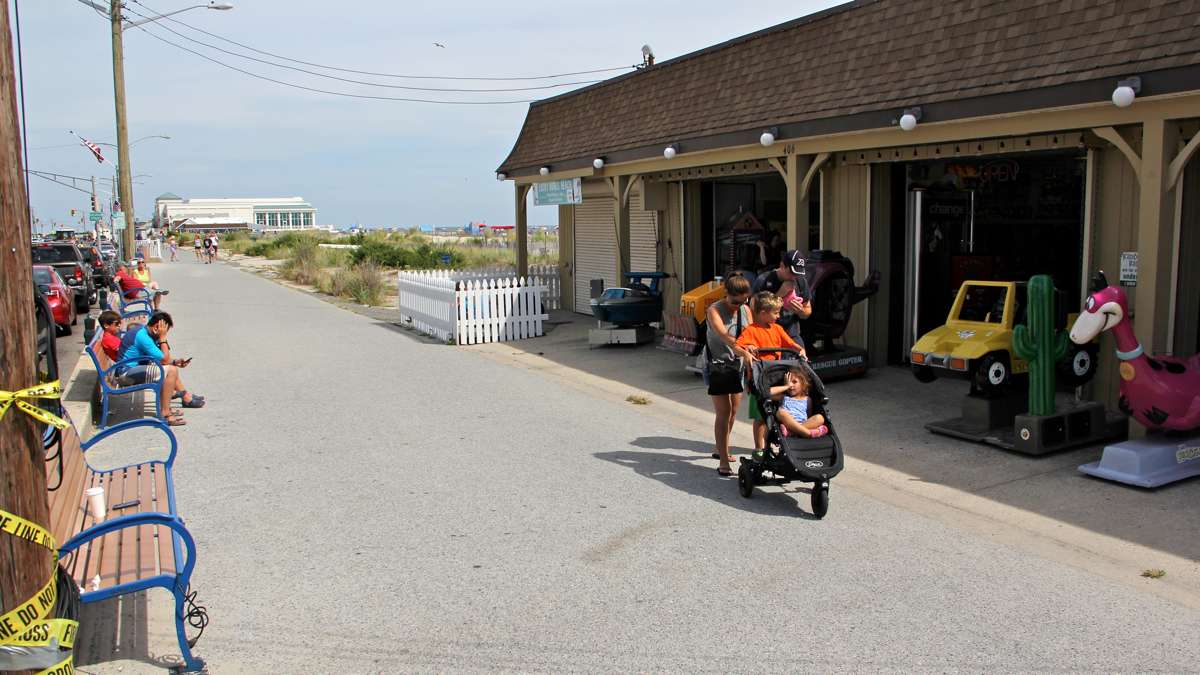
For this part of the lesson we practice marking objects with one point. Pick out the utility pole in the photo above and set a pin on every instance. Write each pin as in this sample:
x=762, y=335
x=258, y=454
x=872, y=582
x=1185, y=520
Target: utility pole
x=94, y=205
x=125, y=180
x=24, y=567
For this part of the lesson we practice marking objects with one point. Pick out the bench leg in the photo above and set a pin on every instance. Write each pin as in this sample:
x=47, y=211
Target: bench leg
x=191, y=663
x=103, y=411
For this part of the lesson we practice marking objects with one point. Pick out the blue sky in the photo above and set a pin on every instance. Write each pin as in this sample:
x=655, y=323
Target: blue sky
x=379, y=163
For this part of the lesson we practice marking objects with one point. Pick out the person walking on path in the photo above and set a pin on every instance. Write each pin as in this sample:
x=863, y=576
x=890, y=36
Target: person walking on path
x=196, y=246
x=724, y=361
x=174, y=246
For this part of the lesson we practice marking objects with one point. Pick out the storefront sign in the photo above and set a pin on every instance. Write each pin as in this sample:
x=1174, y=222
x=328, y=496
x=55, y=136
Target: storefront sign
x=1129, y=268
x=558, y=192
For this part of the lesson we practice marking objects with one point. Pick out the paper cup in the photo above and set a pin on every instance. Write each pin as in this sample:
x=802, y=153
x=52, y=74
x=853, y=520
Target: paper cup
x=96, y=502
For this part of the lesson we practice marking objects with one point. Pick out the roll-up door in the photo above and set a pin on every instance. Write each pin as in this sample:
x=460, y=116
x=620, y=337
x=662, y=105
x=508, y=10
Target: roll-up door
x=595, y=248
x=643, y=235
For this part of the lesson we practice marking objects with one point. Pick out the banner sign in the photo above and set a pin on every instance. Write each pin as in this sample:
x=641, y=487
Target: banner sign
x=558, y=192
x=94, y=216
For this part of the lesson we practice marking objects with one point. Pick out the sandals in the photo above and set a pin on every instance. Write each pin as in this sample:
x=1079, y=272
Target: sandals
x=175, y=420
x=196, y=402
x=725, y=473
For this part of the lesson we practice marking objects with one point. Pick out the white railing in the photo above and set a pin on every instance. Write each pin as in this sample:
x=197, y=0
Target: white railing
x=539, y=275
x=151, y=248
x=471, y=310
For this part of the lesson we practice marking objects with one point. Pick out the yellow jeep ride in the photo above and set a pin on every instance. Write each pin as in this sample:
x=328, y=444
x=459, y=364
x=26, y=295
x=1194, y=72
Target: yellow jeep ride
x=975, y=343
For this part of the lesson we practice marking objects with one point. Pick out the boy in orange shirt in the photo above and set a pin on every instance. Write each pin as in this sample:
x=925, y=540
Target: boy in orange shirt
x=765, y=333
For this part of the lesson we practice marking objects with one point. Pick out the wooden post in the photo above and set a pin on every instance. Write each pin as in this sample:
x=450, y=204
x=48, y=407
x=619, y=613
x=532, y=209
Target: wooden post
x=1155, y=225
x=522, y=230
x=24, y=566
x=620, y=187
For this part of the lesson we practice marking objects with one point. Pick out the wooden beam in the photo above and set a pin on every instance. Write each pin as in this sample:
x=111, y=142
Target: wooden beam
x=790, y=176
x=522, y=229
x=818, y=162
x=1175, y=170
x=1155, y=225
x=1113, y=136
x=633, y=180
x=774, y=161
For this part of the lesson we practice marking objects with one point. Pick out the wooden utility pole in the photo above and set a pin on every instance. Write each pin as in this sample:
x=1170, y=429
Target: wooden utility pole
x=124, y=173
x=24, y=567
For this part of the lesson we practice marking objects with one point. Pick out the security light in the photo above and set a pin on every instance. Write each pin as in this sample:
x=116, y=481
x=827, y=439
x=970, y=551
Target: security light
x=501, y=176
x=909, y=118
x=598, y=163
x=670, y=151
x=1126, y=91
x=545, y=171
x=768, y=137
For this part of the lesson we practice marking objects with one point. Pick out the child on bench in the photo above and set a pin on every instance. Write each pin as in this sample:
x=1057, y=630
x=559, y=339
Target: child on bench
x=793, y=412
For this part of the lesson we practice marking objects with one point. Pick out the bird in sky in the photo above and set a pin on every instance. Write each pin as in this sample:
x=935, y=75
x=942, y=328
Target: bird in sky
x=438, y=44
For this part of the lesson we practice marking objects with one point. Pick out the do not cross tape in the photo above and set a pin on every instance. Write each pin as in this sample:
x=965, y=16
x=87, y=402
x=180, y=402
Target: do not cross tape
x=27, y=624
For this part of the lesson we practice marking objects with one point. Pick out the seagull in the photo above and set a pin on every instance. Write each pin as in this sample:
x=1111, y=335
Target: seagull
x=438, y=44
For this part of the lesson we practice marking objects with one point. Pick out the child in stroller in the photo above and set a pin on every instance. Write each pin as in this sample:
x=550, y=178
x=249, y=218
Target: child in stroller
x=813, y=458
x=793, y=416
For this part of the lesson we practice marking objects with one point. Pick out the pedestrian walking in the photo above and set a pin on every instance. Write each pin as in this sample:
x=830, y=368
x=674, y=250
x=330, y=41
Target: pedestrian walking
x=174, y=247
x=196, y=246
x=724, y=363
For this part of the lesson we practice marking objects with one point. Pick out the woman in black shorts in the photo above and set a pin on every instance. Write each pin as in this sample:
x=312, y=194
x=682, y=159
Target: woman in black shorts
x=724, y=362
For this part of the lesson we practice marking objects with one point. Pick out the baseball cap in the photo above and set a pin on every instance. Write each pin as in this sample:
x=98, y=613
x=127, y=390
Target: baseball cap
x=794, y=260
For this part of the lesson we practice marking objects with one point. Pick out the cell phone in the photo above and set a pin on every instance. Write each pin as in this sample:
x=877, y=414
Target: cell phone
x=125, y=505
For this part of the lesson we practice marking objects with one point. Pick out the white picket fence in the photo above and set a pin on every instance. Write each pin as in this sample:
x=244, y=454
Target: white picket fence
x=471, y=310
x=539, y=275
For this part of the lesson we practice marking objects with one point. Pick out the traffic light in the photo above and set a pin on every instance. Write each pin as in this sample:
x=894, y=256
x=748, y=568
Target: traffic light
x=72, y=213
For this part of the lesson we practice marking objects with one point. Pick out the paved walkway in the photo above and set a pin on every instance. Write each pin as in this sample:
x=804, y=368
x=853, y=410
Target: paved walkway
x=364, y=501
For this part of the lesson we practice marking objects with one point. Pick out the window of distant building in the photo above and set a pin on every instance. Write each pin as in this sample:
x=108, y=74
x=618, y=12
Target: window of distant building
x=261, y=219
x=272, y=219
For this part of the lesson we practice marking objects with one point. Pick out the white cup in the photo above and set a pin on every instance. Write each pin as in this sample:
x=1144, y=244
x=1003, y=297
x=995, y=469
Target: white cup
x=96, y=502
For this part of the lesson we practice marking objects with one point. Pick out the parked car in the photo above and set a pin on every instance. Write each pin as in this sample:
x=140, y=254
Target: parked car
x=72, y=266
x=58, y=296
x=103, y=270
x=108, y=250
x=975, y=343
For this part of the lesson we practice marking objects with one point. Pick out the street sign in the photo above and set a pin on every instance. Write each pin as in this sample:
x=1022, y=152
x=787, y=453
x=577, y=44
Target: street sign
x=118, y=220
x=95, y=216
x=558, y=192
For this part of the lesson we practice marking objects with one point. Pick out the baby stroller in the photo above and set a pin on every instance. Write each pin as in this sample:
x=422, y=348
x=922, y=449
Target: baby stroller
x=789, y=458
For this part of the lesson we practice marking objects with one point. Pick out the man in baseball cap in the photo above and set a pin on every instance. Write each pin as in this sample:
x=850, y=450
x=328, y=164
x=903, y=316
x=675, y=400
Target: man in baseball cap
x=791, y=268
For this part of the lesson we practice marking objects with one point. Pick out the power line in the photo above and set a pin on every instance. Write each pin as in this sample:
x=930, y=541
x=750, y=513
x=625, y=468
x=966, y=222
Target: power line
x=362, y=82
x=393, y=75
x=325, y=91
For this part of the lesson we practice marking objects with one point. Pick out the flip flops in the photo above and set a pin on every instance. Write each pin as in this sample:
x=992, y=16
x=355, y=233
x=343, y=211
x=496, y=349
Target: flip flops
x=725, y=473
x=196, y=402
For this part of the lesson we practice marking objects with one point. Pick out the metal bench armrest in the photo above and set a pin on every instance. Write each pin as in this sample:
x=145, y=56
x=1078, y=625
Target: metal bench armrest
x=133, y=361
x=135, y=520
x=133, y=424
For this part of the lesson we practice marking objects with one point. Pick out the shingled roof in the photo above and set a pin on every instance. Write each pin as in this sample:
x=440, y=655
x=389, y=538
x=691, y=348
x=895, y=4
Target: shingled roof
x=868, y=58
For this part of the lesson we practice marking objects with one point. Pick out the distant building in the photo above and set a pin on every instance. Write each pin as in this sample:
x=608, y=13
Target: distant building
x=271, y=214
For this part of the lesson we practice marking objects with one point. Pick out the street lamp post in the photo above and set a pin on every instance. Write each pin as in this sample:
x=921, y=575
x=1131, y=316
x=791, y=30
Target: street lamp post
x=125, y=186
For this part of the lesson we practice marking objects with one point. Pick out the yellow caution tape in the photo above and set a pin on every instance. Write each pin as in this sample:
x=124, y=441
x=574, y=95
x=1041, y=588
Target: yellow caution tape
x=26, y=625
x=49, y=390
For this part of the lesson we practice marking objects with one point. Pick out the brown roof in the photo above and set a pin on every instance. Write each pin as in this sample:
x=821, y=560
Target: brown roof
x=867, y=56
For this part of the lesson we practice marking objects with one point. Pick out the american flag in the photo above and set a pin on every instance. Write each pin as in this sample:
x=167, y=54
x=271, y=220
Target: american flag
x=94, y=148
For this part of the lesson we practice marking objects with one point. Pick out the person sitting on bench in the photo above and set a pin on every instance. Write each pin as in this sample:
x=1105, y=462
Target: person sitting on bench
x=149, y=342
x=130, y=285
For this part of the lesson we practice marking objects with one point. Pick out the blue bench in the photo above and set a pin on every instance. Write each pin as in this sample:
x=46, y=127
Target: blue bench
x=108, y=383
x=136, y=309
x=143, y=545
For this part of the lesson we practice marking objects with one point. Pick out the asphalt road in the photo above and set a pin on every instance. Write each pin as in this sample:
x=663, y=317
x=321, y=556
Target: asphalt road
x=364, y=501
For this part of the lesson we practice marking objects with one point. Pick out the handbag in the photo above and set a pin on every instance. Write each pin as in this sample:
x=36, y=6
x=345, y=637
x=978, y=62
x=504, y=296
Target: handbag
x=726, y=372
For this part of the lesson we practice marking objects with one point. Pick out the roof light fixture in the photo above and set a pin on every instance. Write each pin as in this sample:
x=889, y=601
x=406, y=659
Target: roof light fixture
x=910, y=117
x=670, y=151
x=1126, y=91
x=501, y=175
x=767, y=139
x=545, y=171
x=598, y=163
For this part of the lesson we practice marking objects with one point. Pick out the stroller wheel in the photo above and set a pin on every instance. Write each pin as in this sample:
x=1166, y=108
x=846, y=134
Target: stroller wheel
x=820, y=499
x=745, y=480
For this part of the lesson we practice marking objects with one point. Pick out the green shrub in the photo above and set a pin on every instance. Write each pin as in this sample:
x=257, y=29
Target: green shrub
x=303, y=263
x=364, y=284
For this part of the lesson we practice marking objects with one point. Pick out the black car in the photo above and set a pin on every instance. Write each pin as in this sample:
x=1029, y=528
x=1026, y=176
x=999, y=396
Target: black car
x=72, y=266
x=103, y=269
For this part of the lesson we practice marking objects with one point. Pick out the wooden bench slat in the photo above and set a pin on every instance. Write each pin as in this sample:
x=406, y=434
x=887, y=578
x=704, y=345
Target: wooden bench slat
x=166, y=550
x=65, y=501
x=89, y=566
x=147, y=542
x=112, y=543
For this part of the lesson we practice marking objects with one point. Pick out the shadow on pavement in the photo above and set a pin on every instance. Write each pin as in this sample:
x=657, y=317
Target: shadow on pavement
x=882, y=420
x=118, y=630
x=683, y=474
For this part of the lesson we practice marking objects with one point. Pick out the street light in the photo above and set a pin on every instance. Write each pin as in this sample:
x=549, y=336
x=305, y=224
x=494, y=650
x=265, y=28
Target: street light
x=118, y=26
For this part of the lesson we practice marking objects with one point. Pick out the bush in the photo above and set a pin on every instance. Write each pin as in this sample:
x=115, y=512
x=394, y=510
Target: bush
x=379, y=251
x=363, y=283
x=303, y=263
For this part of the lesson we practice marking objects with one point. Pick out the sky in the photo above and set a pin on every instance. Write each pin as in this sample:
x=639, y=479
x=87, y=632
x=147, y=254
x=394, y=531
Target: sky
x=376, y=163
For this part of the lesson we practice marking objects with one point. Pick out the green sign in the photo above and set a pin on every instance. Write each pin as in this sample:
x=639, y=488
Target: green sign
x=95, y=216
x=557, y=192
x=118, y=220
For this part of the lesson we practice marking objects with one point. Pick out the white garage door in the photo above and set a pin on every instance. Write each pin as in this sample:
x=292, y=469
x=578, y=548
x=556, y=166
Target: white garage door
x=595, y=248
x=643, y=235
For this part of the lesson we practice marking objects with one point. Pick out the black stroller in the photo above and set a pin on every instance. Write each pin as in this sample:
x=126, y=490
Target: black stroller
x=789, y=458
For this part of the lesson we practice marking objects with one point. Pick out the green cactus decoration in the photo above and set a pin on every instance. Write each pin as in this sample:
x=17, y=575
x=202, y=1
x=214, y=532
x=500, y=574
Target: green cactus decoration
x=1040, y=344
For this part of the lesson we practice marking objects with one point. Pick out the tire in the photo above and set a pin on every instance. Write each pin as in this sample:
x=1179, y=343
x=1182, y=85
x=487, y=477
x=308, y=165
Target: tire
x=820, y=499
x=745, y=480
x=991, y=374
x=924, y=374
x=1078, y=366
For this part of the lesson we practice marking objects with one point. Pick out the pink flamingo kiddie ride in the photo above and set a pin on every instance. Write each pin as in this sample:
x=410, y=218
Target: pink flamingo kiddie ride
x=1160, y=392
